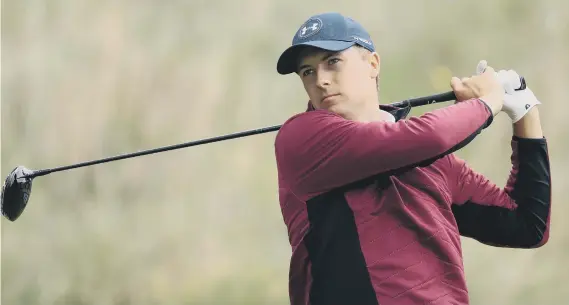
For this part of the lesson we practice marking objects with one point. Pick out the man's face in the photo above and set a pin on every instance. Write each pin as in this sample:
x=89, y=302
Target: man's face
x=340, y=82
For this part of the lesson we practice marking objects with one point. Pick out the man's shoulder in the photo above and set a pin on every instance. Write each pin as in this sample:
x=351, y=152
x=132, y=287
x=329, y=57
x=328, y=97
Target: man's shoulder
x=310, y=116
x=300, y=123
x=299, y=138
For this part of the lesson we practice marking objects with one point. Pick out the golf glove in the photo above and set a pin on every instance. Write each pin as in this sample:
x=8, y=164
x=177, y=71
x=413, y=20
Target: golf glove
x=517, y=103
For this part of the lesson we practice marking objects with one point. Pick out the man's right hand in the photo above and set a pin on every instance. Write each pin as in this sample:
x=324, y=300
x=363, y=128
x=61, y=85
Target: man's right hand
x=485, y=86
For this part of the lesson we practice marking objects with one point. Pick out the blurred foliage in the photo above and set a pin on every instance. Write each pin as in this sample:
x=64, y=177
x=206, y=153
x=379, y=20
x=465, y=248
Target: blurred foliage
x=88, y=79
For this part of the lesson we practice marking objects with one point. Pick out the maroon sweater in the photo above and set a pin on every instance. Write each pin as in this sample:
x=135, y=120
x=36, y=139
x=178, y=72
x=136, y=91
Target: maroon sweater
x=375, y=211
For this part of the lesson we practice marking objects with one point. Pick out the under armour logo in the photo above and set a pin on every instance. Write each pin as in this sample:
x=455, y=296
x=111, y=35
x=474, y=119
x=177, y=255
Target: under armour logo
x=527, y=106
x=313, y=27
x=310, y=28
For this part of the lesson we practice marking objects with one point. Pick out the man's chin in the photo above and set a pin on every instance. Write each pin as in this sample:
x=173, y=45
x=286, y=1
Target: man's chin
x=339, y=110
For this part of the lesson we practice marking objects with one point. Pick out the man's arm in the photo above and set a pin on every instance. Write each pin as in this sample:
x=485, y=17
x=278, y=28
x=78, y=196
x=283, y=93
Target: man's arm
x=517, y=216
x=318, y=151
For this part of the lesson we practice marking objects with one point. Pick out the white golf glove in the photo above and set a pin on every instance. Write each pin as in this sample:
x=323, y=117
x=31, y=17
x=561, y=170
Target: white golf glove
x=517, y=103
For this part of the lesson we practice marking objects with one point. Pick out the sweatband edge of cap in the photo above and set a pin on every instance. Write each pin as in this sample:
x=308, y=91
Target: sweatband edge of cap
x=288, y=59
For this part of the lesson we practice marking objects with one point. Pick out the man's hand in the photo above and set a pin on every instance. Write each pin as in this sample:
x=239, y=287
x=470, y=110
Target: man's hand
x=519, y=104
x=485, y=86
x=521, y=107
x=516, y=103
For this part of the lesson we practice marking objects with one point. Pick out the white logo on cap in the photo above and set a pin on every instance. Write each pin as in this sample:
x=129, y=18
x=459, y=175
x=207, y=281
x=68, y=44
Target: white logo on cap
x=310, y=28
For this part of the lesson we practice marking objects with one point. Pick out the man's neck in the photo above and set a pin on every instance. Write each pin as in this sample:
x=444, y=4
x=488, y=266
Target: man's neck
x=372, y=113
x=375, y=115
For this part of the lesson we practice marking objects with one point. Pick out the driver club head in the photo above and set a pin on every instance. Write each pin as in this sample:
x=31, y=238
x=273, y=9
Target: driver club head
x=16, y=192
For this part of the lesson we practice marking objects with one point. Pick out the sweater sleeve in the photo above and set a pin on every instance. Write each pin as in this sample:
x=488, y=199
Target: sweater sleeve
x=318, y=151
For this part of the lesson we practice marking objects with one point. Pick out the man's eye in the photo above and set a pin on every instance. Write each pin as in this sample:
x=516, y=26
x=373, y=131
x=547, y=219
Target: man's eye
x=333, y=61
x=306, y=72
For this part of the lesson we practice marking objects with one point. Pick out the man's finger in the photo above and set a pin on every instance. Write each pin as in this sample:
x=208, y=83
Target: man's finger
x=456, y=84
x=505, y=79
x=489, y=70
x=514, y=79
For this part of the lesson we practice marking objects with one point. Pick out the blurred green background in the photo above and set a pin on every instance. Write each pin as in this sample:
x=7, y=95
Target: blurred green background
x=88, y=79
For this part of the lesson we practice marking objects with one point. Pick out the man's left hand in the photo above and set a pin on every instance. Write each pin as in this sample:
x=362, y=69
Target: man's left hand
x=517, y=103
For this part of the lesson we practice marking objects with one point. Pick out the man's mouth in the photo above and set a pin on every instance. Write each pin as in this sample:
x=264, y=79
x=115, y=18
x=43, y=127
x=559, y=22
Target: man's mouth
x=328, y=97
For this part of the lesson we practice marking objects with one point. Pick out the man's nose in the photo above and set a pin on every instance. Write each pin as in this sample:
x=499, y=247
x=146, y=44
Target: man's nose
x=323, y=78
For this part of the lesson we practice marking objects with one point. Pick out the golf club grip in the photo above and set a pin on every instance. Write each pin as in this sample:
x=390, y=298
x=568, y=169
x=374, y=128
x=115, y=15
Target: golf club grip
x=441, y=97
x=426, y=100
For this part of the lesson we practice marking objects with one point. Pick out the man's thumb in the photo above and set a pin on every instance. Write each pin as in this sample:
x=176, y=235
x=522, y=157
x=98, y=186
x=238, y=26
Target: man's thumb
x=456, y=84
x=481, y=67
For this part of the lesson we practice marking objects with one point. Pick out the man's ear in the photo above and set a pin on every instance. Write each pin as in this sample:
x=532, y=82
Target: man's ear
x=374, y=63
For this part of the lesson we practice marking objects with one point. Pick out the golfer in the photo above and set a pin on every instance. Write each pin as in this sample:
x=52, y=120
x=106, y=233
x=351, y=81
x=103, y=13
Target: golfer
x=375, y=203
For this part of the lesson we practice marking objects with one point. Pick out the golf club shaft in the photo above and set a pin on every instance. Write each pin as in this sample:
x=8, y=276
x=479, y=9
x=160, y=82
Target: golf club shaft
x=414, y=102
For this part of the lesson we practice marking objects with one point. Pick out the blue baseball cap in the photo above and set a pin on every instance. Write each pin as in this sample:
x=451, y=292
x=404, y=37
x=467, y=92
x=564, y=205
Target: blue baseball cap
x=328, y=31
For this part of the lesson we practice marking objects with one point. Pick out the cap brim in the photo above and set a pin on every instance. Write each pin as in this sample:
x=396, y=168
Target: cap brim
x=289, y=58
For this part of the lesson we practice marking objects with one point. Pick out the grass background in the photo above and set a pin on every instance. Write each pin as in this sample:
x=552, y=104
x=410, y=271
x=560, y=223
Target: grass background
x=88, y=79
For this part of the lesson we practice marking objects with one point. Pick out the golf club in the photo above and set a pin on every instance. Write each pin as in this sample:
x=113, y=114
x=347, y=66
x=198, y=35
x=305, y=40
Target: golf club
x=17, y=187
